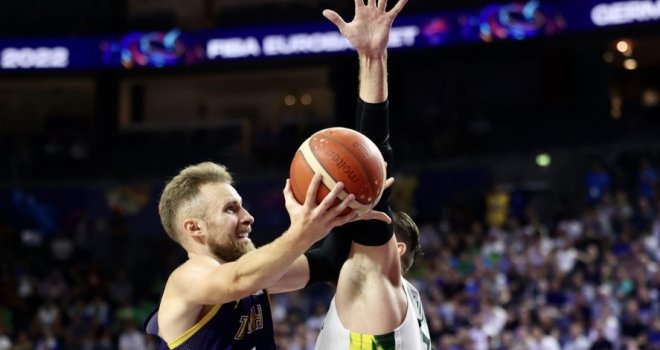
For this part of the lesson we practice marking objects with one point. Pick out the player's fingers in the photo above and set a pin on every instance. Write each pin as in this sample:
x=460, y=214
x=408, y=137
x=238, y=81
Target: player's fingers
x=287, y=188
x=334, y=17
x=388, y=183
x=339, y=208
x=359, y=3
x=312, y=190
x=382, y=5
x=329, y=200
x=289, y=198
x=397, y=8
x=371, y=3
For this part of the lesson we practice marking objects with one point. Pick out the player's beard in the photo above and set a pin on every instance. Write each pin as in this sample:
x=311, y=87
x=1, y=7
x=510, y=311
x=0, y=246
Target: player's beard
x=229, y=252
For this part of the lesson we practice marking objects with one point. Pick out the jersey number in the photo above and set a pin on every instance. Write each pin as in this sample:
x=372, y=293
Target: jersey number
x=251, y=323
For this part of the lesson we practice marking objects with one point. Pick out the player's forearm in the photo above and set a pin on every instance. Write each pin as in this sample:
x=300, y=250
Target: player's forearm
x=373, y=78
x=265, y=266
x=295, y=277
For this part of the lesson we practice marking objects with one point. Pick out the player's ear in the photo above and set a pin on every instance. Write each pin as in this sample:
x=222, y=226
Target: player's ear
x=192, y=227
x=401, y=247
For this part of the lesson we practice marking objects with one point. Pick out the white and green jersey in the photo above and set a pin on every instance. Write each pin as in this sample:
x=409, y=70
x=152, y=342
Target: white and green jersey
x=412, y=334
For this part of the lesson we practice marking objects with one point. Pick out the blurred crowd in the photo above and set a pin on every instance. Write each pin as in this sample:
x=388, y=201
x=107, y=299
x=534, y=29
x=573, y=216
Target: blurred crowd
x=510, y=280
x=587, y=282
x=88, y=286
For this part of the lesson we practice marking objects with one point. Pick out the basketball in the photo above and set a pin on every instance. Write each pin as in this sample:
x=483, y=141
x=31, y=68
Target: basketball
x=340, y=155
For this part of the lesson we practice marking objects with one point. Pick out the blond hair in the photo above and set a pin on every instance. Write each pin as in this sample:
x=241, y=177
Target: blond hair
x=182, y=191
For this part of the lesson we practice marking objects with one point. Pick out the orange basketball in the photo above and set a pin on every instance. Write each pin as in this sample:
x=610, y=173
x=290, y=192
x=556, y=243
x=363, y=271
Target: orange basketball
x=339, y=154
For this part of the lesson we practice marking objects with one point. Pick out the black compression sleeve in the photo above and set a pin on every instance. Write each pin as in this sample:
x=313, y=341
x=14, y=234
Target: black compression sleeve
x=326, y=261
x=372, y=119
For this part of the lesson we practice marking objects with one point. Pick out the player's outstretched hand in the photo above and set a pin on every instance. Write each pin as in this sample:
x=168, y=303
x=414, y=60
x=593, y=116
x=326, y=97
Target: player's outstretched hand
x=369, y=31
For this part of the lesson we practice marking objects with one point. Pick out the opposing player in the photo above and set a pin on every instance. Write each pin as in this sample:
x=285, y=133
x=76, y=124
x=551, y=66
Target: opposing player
x=374, y=306
x=216, y=299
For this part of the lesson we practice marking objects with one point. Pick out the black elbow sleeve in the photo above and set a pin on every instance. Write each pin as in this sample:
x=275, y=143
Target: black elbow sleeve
x=372, y=120
x=373, y=232
x=326, y=261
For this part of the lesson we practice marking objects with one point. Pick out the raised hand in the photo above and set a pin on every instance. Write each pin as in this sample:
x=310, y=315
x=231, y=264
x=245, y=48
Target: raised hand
x=369, y=31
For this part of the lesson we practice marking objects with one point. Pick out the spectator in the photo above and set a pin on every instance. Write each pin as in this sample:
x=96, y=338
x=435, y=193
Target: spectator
x=23, y=342
x=653, y=335
x=47, y=340
x=601, y=342
x=632, y=328
x=48, y=315
x=492, y=317
x=5, y=341
x=130, y=338
x=623, y=210
x=61, y=247
x=98, y=311
x=497, y=206
x=54, y=287
x=577, y=340
x=647, y=180
x=549, y=342
x=598, y=182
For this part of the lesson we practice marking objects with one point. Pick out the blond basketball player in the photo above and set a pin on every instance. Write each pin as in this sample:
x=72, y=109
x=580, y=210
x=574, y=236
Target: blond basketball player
x=216, y=300
x=374, y=306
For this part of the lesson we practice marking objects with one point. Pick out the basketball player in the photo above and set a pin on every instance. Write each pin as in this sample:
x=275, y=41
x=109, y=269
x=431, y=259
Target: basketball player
x=216, y=299
x=374, y=307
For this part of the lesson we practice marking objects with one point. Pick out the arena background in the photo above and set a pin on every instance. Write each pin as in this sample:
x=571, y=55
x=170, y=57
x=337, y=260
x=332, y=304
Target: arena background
x=527, y=140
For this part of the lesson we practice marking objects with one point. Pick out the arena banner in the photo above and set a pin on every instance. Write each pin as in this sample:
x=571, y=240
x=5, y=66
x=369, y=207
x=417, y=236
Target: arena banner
x=497, y=22
x=33, y=54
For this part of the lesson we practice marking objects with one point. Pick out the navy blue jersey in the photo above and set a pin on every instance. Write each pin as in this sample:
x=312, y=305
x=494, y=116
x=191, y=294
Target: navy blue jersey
x=246, y=324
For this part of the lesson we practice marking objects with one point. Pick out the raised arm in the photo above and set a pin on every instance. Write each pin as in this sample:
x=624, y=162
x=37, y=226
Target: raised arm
x=371, y=276
x=369, y=34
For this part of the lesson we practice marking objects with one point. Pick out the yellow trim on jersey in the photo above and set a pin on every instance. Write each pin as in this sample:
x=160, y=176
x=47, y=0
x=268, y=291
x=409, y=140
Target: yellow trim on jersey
x=270, y=302
x=190, y=332
x=372, y=342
